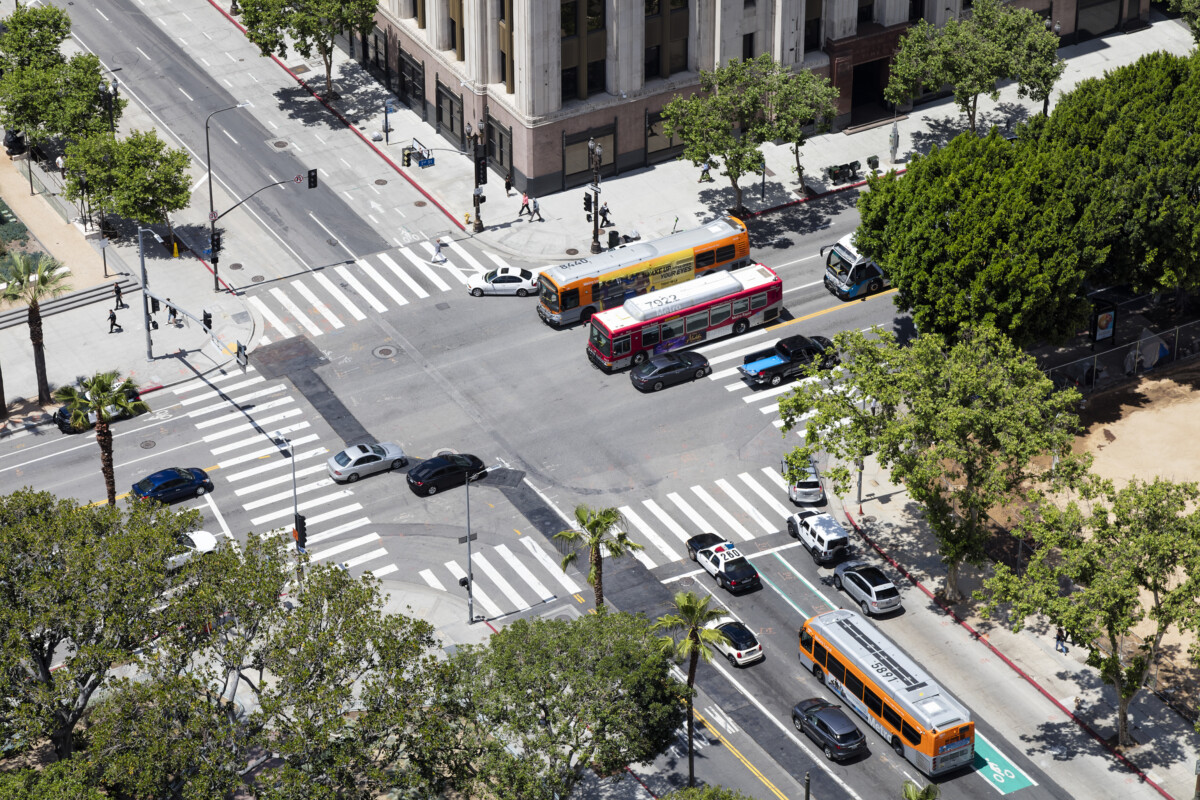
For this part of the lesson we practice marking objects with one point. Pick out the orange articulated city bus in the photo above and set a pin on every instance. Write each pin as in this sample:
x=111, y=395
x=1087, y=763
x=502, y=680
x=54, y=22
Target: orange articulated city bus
x=896, y=698
x=574, y=291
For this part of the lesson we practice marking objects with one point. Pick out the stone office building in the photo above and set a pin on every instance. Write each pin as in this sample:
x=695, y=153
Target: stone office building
x=542, y=77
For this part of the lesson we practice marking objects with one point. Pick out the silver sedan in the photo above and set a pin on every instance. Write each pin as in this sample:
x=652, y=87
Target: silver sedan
x=505, y=280
x=364, y=459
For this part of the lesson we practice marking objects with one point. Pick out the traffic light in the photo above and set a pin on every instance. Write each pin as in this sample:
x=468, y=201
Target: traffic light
x=216, y=242
x=300, y=532
x=408, y=156
x=312, y=179
x=481, y=170
x=242, y=358
x=206, y=321
x=153, y=305
x=587, y=202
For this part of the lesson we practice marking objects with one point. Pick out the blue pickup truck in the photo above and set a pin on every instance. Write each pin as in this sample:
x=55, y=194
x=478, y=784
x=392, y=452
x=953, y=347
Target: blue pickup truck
x=787, y=359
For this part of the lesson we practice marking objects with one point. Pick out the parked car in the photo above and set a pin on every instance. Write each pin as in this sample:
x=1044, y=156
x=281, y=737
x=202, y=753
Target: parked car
x=727, y=564
x=868, y=585
x=828, y=726
x=808, y=489
x=444, y=472
x=821, y=534
x=702, y=542
x=62, y=417
x=196, y=543
x=506, y=280
x=668, y=369
x=172, y=484
x=358, y=460
x=742, y=647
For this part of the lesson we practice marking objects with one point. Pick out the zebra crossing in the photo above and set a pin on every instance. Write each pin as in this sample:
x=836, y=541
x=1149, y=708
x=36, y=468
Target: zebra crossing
x=323, y=301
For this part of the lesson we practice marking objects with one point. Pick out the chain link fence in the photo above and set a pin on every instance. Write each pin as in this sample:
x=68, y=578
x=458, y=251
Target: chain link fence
x=1124, y=362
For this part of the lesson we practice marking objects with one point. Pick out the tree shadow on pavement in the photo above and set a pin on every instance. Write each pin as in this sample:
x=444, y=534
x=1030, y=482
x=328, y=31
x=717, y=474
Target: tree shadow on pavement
x=785, y=228
x=301, y=107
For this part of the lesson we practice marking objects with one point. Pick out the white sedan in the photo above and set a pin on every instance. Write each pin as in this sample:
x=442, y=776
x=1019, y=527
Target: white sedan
x=506, y=280
x=196, y=543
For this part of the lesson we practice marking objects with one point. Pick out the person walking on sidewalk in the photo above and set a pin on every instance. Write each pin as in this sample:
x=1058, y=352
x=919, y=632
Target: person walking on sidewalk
x=438, y=257
x=524, y=207
x=1060, y=641
x=172, y=314
x=508, y=184
x=604, y=223
x=117, y=296
x=704, y=176
x=536, y=210
x=62, y=167
x=113, y=326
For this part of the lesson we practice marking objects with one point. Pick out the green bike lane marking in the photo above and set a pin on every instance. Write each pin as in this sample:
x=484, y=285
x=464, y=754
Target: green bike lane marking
x=1003, y=775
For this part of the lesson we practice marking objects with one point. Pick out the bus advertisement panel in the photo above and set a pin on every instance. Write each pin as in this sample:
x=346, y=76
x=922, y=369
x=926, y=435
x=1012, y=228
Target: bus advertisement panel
x=900, y=701
x=699, y=310
x=576, y=290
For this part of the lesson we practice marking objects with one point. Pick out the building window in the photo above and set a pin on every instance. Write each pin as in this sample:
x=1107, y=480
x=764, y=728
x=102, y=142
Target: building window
x=866, y=11
x=677, y=5
x=652, y=8
x=678, y=56
x=570, y=18
x=812, y=26
x=657, y=137
x=916, y=10
x=502, y=9
x=748, y=47
x=596, y=77
x=747, y=4
x=595, y=15
x=570, y=83
x=653, y=66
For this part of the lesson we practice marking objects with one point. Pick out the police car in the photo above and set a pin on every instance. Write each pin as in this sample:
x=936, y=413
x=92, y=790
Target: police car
x=727, y=564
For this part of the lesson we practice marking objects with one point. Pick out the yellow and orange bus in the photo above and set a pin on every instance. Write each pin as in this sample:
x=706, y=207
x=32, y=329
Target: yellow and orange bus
x=574, y=291
x=896, y=698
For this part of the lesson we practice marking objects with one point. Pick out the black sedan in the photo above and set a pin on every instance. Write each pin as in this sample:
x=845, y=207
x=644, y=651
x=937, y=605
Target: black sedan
x=668, y=369
x=172, y=484
x=828, y=726
x=444, y=472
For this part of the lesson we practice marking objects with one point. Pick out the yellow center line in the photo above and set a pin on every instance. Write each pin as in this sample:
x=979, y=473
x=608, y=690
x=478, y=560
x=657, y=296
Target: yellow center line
x=838, y=307
x=738, y=755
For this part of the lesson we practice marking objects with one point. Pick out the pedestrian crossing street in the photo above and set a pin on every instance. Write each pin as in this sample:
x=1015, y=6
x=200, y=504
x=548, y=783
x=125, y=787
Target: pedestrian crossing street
x=324, y=301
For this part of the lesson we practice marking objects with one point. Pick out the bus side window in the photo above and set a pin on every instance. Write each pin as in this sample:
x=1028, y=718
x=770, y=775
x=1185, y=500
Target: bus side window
x=570, y=299
x=621, y=347
x=872, y=700
x=819, y=653
x=726, y=253
x=706, y=259
x=806, y=640
x=697, y=322
x=650, y=336
x=891, y=717
x=853, y=684
x=672, y=328
x=741, y=306
x=912, y=734
x=718, y=314
x=758, y=301
x=836, y=668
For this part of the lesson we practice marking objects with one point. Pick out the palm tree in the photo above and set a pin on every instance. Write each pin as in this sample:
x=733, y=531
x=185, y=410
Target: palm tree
x=690, y=623
x=103, y=398
x=597, y=533
x=32, y=279
x=911, y=791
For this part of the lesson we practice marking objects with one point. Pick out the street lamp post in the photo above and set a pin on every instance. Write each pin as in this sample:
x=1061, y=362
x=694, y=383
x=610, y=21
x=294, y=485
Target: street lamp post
x=109, y=90
x=469, y=581
x=145, y=286
x=212, y=214
x=595, y=154
x=476, y=140
x=287, y=443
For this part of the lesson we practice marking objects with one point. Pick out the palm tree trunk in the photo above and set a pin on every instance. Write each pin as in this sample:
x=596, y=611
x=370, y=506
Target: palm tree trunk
x=39, y=352
x=692, y=719
x=104, y=439
x=3, y=402
x=598, y=564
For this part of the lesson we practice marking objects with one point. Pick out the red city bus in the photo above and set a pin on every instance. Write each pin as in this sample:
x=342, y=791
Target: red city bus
x=701, y=309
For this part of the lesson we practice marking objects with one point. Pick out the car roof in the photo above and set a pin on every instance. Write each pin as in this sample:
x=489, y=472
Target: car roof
x=205, y=542
x=836, y=719
x=164, y=475
x=704, y=540
x=826, y=523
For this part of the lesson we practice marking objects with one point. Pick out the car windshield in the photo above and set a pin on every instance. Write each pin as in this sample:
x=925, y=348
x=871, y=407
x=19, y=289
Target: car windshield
x=549, y=293
x=342, y=458
x=839, y=262
x=489, y=277
x=145, y=485
x=377, y=450
x=600, y=339
x=738, y=635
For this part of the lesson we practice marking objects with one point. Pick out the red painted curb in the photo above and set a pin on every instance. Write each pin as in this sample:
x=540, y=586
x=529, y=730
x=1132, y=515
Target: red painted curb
x=346, y=122
x=149, y=389
x=980, y=638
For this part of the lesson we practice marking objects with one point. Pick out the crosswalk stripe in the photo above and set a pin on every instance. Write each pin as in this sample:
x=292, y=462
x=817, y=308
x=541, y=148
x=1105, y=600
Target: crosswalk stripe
x=512, y=594
x=254, y=439
x=257, y=424
x=278, y=479
x=386, y=569
x=775, y=478
x=317, y=304
x=340, y=296
x=666, y=520
x=656, y=540
x=266, y=451
x=500, y=262
x=429, y=274
x=295, y=311
x=341, y=547
x=544, y=594
x=472, y=262
x=318, y=519
x=286, y=512
x=388, y=289
x=364, y=558
x=339, y=530
x=235, y=413
x=432, y=580
x=235, y=403
x=187, y=401
x=272, y=320
x=554, y=569
x=769, y=392
x=447, y=265
x=744, y=504
x=725, y=516
x=211, y=381
x=767, y=497
x=412, y=285
x=288, y=493
x=691, y=513
x=318, y=451
x=738, y=353
x=362, y=291
x=479, y=594
x=722, y=374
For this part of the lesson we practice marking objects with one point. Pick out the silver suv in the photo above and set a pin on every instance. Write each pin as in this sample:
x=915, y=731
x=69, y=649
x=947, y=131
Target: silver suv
x=808, y=489
x=821, y=534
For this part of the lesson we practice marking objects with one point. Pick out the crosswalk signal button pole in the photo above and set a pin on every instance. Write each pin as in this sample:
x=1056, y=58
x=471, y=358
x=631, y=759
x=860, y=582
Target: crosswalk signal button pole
x=242, y=358
x=206, y=321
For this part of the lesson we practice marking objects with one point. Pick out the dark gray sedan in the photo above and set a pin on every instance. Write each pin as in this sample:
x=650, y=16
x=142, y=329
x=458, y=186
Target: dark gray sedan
x=828, y=726
x=365, y=459
x=668, y=369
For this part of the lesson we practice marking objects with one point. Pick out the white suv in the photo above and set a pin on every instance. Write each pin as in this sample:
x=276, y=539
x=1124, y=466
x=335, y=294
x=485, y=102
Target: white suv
x=821, y=535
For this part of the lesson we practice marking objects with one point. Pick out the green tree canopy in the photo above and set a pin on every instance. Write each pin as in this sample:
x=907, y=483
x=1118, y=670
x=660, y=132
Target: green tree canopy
x=103, y=397
x=706, y=793
x=1190, y=9
x=1128, y=564
x=803, y=100
x=598, y=534
x=30, y=279
x=152, y=180
x=34, y=35
x=965, y=425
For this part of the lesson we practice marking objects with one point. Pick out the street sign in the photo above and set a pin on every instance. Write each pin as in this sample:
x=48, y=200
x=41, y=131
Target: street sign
x=212, y=216
x=298, y=179
x=425, y=162
x=594, y=188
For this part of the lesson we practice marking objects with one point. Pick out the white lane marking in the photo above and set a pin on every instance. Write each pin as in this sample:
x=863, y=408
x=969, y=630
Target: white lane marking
x=544, y=594
x=364, y=558
x=339, y=530
x=279, y=479
x=288, y=494
x=207, y=382
x=319, y=451
x=500, y=262
x=804, y=285
x=649, y=533
x=752, y=512
x=187, y=401
x=148, y=58
x=736, y=340
x=250, y=426
x=254, y=439
x=448, y=265
x=208, y=498
x=295, y=311
x=317, y=304
x=479, y=594
x=387, y=569
x=692, y=514
x=287, y=512
x=370, y=538
x=266, y=451
x=708, y=500
x=769, y=392
x=340, y=296
x=233, y=413
x=470, y=259
x=390, y=290
x=234, y=403
x=554, y=569
x=776, y=478
x=506, y=588
x=722, y=718
x=235, y=141
x=767, y=497
x=363, y=292
x=432, y=580
x=412, y=285
x=271, y=319
x=424, y=269
x=337, y=512
x=671, y=525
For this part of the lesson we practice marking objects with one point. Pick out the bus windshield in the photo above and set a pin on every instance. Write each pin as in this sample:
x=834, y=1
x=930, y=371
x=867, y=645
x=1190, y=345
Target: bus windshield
x=549, y=293
x=600, y=340
x=839, y=261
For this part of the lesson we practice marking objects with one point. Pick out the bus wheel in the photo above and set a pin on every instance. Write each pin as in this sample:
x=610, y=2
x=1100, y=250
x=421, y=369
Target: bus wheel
x=899, y=748
x=639, y=358
x=740, y=327
x=874, y=286
x=586, y=315
x=819, y=674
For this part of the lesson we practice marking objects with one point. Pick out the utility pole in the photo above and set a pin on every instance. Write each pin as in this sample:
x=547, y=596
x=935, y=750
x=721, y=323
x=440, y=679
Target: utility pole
x=595, y=154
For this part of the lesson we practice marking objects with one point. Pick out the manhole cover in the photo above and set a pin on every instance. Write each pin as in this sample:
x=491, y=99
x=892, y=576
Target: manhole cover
x=687, y=581
x=332, y=242
x=419, y=204
x=279, y=143
x=384, y=351
x=257, y=279
x=147, y=445
x=235, y=265
x=301, y=69
x=571, y=251
x=380, y=182
x=442, y=306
